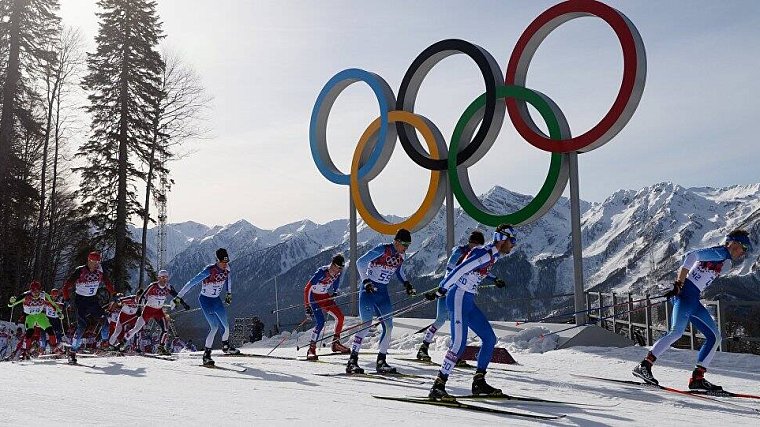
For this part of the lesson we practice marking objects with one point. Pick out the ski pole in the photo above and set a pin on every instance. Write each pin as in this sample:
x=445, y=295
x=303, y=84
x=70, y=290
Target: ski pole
x=426, y=327
x=380, y=320
x=395, y=303
x=291, y=334
x=607, y=317
x=584, y=311
x=290, y=307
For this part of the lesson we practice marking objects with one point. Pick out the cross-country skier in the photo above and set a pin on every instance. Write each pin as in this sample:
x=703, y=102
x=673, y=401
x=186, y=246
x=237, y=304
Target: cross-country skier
x=34, y=302
x=128, y=315
x=460, y=286
x=376, y=268
x=56, y=321
x=442, y=313
x=151, y=305
x=6, y=342
x=213, y=279
x=698, y=270
x=86, y=280
x=112, y=312
x=318, y=295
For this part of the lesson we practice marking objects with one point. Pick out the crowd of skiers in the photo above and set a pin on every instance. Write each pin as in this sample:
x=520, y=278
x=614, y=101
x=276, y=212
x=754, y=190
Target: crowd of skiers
x=466, y=268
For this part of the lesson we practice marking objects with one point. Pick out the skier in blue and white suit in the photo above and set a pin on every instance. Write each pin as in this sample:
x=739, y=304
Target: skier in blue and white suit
x=698, y=270
x=442, y=312
x=376, y=268
x=460, y=286
x=213, y=279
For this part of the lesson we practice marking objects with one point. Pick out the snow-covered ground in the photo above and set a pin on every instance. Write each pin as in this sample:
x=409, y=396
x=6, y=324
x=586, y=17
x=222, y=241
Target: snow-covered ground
x=135, y=390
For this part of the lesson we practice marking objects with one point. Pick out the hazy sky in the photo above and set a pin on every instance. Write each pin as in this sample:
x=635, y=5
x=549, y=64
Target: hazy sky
x=265, y=62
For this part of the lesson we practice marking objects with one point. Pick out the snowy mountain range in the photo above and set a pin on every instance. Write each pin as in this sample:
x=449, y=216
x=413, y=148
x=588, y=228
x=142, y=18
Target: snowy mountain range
x=632, y=241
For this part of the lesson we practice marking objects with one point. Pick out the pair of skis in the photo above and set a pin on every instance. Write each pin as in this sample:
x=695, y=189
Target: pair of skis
x=468, y=366
x=225, y=368
x=381, y=376
x=456, y=404
x=712, y=396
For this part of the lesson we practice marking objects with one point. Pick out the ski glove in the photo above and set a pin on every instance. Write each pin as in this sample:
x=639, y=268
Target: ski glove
x=12, y=299
x=180, y=301
x=369, y=287
x=677, y=285
x=228, y=298
x=409, y=288
x=439, y=293
x=309, y=312
x=499, y=283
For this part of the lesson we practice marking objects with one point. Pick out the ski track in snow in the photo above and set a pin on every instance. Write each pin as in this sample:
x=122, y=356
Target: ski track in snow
x=134, y=390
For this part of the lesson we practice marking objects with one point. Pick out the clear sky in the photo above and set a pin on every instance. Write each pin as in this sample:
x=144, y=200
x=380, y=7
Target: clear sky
x=264, y=62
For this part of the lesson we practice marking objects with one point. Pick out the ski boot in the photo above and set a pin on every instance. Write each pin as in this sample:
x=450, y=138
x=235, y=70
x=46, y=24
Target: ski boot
x=337, y=347
x=228, y=349
x=461, y=363
x=72, y=357
x=382, y=367
x=59, y=349
x=438, y=391
x=698, y=381
x=312, y=353
x=422, y=353
x=353, y=364
x=163, y=351
x=644, y=370
x=479, y=385
x=207, y=361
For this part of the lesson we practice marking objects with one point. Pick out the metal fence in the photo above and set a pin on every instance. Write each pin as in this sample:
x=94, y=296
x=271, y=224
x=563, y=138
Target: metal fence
x=644, y=321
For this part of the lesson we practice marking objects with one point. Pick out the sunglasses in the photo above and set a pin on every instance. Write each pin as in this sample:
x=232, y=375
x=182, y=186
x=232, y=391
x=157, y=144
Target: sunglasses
x=340, y=267
x=404, y=244
x=745, y=247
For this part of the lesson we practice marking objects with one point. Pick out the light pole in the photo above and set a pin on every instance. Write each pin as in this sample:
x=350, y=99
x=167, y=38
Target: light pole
x=277, y=305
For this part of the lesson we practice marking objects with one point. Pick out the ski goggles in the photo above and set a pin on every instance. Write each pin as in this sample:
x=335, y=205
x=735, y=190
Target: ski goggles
x=505, y=235
x=403, y=243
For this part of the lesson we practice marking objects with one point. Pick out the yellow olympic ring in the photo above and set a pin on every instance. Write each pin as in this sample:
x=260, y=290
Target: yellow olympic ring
x=359, y=187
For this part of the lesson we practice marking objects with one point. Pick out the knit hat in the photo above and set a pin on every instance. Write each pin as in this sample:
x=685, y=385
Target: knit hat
x=221, y=255
x=403, y=235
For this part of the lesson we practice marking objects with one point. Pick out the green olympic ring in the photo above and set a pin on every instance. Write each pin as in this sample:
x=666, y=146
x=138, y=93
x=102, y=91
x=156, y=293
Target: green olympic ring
x=556, y=179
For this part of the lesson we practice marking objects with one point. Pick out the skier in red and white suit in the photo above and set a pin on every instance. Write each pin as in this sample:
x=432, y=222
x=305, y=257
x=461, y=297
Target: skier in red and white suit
x=152, y=302
x=127, y=316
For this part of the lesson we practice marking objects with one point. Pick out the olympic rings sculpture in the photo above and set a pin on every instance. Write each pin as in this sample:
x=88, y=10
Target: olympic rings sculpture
x=467, y=146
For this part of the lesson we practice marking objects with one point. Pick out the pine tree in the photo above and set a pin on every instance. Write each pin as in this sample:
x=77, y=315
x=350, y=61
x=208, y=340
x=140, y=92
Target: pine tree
x=123, y=82
x=28, y=30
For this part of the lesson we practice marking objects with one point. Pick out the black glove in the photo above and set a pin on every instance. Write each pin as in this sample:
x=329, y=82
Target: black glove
x=677, y=285
x=499, y=283
x=369, y=287
x=309, y=312
x=409, y=288
x=439, y=293
x=180, y=301
x=228, y=298
x=334, y=294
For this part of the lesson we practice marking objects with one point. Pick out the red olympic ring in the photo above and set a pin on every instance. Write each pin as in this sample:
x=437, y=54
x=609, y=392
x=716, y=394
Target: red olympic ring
x=631, y=87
